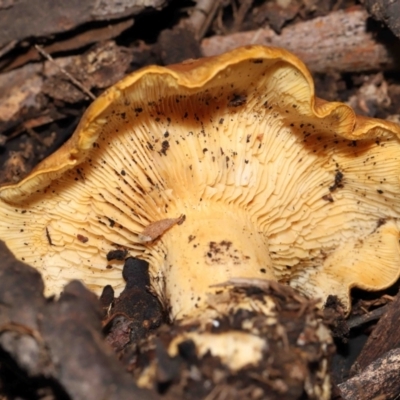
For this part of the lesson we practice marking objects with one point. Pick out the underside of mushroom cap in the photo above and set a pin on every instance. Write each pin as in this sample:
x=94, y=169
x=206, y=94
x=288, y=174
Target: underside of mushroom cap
x=237, y=143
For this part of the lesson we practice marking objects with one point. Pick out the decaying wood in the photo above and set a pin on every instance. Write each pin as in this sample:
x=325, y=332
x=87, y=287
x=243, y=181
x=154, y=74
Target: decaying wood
x=387, y=11
x=380, y=380
x=66, y=73
x=58, y=341
x=339, y=41
x=22, y=91
x=78, y=41
x=292, y=366
x=384, y=337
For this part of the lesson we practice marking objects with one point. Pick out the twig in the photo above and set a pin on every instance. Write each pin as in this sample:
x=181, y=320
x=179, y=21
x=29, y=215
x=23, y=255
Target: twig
x=8, y=47
x=35, y=136
x=368, y=317
x=240, y=13
x=202, y=15
x=66, y=73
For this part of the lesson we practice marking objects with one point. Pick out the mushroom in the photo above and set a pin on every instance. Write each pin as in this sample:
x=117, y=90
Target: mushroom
x=213, y=169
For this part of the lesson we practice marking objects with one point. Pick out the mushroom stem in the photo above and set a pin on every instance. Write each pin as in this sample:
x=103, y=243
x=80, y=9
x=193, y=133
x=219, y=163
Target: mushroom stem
x=212, y=246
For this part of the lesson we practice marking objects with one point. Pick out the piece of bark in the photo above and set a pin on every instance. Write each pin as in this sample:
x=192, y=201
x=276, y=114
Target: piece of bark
x=371, y=97
x=21, y=299
x=59, y=342
x=27, y=18
x=383, y=338
x=275, y=14
x=22, y=96
x=88, y=368
x=81, y=39
x=19, y=93
x=339, y=41
x=98, y=68
x=380, y=380
x=21, y=292
x=177, y=44
x=387, y=11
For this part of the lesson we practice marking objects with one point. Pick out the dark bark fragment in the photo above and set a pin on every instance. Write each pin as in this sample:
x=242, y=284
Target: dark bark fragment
x=136, y=312
x=383, y=338
x=79, y=41
x=21, y=292
x=380, y=380
x=387, y=11
x=177, y=44
x=58, y=343
x=30, y=94
x=72, y=330
x=27, y=18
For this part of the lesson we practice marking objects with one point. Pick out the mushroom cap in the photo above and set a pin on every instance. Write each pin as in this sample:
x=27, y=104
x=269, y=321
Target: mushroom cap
x=241, y=134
